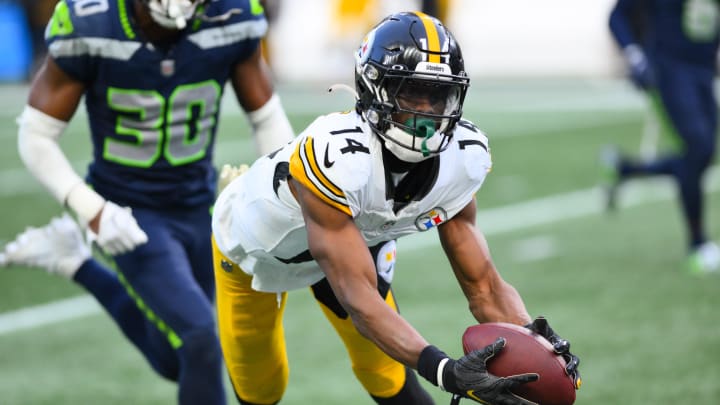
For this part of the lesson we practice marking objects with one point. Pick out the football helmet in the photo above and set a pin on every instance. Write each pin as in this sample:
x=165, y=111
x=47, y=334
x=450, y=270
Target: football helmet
x=411, y=82
x=173, y=14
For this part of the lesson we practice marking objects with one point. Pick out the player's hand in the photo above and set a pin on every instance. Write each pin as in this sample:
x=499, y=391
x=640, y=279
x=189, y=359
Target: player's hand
x=641, y=72
x=468, y=378
x=118, y=231
x=561, y=346
x=228, y=173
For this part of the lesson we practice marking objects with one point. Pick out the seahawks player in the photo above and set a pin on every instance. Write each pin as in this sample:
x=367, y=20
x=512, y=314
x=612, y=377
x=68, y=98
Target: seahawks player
x=324, y=211
x=674, y=59
x=152, y=73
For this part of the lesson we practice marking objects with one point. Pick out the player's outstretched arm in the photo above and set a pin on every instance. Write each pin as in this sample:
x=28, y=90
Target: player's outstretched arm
x=337, y=245
x=491, y=298
x=54, y=97
x=340, y=250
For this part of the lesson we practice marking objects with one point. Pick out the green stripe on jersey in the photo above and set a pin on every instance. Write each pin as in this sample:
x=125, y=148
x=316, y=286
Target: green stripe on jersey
x=125, y=20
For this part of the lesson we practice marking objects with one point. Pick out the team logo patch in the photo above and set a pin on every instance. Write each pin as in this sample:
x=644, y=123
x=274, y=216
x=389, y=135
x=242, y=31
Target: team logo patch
x=385, y=261
x=167, y=67
x=363, y=51
x=431, y=219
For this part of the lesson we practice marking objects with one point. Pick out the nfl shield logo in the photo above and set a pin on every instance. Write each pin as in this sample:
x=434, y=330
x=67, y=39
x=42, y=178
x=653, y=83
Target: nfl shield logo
x=167, y=67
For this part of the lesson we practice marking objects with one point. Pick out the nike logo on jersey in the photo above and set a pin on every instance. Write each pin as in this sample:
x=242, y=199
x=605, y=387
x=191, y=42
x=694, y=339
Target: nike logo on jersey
x=328, y=164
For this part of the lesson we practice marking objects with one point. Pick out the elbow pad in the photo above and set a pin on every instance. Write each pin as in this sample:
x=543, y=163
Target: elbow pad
x=39, y=150
x=270, y=126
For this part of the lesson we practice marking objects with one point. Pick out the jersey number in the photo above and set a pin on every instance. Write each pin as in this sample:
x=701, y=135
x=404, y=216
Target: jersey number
x=178, y=128
x=84, y=8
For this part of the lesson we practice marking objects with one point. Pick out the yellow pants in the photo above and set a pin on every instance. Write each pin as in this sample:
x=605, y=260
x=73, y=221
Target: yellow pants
x=253, y=340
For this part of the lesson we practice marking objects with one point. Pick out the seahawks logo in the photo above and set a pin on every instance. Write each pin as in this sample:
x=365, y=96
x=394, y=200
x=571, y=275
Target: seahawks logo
x=431, y=219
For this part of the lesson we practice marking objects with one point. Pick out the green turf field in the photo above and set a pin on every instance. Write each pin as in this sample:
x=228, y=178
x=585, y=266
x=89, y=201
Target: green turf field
x=613, y=285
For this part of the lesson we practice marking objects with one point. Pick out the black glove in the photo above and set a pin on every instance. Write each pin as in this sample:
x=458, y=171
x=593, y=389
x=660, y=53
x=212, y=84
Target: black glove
x=560, y=346
x=468, y=377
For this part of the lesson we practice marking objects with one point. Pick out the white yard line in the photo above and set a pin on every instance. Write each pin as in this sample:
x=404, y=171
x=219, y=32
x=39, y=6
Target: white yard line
x=47, y=314
x=492, y=221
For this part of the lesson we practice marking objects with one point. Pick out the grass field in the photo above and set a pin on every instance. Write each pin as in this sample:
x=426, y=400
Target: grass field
x=646, y=332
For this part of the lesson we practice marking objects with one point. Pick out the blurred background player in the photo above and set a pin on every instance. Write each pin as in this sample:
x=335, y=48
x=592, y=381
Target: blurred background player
x=674, y=60
x=152, y=74
x=324, y=211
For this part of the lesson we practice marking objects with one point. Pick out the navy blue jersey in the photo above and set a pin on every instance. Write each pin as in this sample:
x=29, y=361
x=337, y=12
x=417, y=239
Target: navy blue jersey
x=153, y=112
x=686, y=30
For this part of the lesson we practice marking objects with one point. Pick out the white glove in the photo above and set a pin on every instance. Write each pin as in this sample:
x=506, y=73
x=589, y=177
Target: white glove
x=58, y=247
x=119, y=232
x=229, y=173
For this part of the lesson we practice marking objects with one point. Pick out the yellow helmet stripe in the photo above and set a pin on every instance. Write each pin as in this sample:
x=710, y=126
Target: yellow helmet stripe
x=433, y=37
x=304, y=169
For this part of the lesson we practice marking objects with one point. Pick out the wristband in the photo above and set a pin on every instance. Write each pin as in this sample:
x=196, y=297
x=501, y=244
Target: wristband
x=271, y=128
x=430, y=362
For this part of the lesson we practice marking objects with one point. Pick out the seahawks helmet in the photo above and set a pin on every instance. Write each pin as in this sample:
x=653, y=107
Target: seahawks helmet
x=173, y=14
x=411, y=83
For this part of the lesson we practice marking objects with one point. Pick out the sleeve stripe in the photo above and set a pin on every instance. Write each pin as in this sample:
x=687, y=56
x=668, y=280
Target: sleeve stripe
x=308, y=155
x=299, y=171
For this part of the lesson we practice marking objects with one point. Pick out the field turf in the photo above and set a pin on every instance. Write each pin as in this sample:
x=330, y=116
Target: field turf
x=612, y=284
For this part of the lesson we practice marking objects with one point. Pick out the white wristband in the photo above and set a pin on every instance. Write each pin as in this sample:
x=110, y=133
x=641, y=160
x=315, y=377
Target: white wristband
x=271, y=128
x=85, y=202
x=440, y=369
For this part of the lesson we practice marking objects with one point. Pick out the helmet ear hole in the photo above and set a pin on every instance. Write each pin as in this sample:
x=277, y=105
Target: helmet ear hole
x=409, y=69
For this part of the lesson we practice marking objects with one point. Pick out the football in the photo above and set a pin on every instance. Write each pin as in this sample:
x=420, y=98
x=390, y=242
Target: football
x=524, y=352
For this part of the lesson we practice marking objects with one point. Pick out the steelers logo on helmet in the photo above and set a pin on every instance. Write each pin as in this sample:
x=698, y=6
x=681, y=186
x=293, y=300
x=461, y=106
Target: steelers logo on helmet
x=363, y=51
x=411, y=84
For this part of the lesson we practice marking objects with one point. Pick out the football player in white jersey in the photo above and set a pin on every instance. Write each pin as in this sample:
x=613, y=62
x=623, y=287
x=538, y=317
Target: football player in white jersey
x=324, y=211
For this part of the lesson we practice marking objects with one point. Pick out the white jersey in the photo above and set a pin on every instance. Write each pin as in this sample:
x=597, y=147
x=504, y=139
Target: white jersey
x=258, y=224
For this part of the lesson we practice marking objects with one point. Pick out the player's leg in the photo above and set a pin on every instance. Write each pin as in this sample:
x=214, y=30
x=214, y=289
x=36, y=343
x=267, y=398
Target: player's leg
x=687, y=96
x=60, y=248
x=160, y=279
x=692, y=106
x=386, y=380
x=251, y=334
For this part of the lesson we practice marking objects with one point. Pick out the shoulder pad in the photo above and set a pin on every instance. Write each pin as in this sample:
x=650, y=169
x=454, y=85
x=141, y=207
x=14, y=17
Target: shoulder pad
x=77, y=19
x=235, y=10
x=333, y=158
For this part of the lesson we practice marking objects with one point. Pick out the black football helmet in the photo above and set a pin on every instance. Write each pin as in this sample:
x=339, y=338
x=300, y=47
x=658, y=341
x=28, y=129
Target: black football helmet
x=411, y=83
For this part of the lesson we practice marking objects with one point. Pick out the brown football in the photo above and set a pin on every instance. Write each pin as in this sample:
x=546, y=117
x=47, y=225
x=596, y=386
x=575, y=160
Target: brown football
x=524, y=352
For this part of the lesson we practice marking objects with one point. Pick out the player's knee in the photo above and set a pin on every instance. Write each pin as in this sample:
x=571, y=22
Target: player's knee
x=243, y=402
x=411, y=392
x=382, y=379
x=700, y=154
x=167, y=369
x=201, y=349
